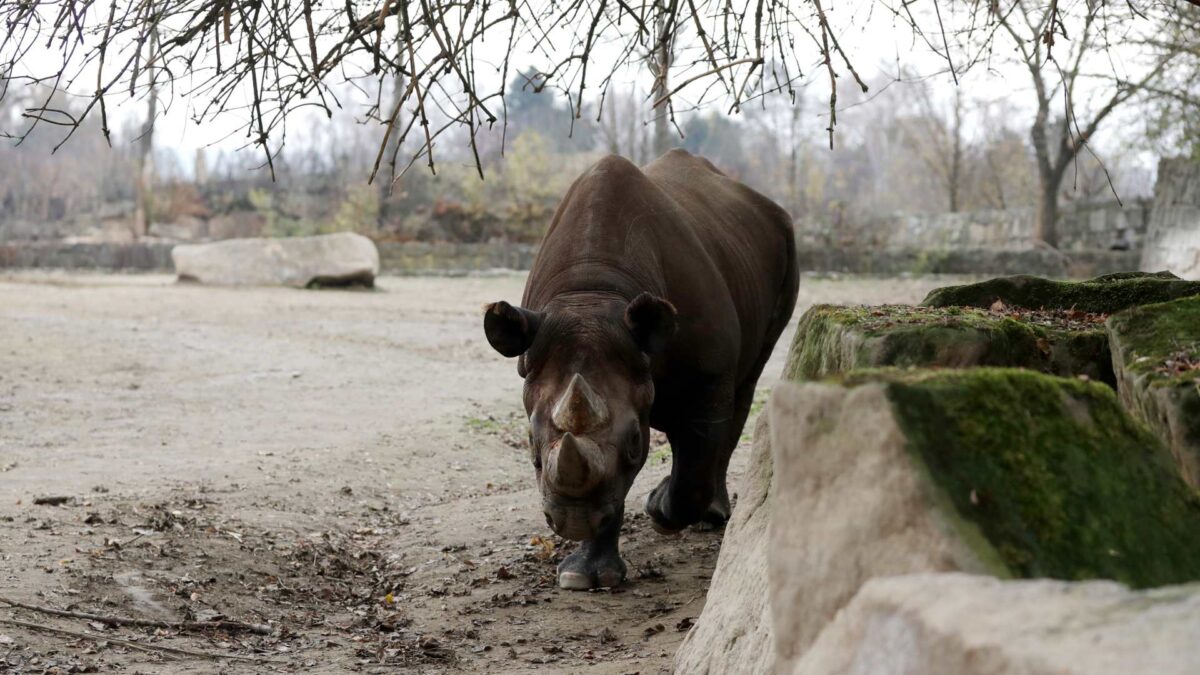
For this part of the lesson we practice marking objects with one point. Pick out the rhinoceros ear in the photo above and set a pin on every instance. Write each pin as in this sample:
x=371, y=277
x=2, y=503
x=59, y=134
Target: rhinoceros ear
x=652, y=322
x=510, y=330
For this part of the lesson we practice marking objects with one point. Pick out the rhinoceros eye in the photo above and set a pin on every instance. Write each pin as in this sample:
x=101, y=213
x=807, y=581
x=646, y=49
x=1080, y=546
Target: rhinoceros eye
x=533, y=450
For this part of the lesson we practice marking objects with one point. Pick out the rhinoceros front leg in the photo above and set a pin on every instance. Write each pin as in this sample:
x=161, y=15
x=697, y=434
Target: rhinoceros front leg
x=596, y=563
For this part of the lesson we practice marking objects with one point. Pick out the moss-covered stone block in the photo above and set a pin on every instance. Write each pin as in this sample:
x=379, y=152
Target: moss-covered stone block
x=994, y=471
x=1103, y=295
x=1061, y=481
x=1156, y=358
x=832, y=339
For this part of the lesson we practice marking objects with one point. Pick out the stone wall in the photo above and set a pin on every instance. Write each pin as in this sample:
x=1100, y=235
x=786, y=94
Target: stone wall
x=890, y=262
x=417, y=258
x=1173, y=238
x=1081, y=227
x=142, y=257
x=410, y=259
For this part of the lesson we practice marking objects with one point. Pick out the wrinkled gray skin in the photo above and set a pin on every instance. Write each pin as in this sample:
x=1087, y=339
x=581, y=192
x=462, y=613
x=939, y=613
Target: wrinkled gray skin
x=655, y=300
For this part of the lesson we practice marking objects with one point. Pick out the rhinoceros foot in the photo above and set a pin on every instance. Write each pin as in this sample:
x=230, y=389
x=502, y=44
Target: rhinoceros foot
x=590, y=568
x=717, y=514
x=671, y=509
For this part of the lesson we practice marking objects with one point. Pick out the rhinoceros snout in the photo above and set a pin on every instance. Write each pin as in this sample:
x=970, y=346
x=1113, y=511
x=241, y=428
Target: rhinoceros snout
x=579, y=523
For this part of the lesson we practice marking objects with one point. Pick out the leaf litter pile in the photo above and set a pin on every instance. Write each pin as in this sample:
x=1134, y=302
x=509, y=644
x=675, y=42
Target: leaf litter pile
x=888, y=316
x=1062, y=319
x=1183, y=362
x=378, y=592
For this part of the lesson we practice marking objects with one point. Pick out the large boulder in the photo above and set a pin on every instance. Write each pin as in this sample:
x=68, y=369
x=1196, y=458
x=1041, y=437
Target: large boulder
x=1156, y=357
x=1173, y=234
x=733, y=633
x=1002, y=472
x=340, y=259
x=1102, y=295
x=833, y=339
x=958, y=624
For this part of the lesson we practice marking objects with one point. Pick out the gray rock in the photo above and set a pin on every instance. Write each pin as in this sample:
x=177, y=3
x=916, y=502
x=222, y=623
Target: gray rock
x=1173, y=239
x=733, y=634
x=858, y=507
x=958, y=624
x=326, y=260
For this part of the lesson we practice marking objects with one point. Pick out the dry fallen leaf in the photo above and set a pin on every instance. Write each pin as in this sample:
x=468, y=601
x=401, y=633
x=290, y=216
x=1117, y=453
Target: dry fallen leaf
x=654, y=630
x=543, y=548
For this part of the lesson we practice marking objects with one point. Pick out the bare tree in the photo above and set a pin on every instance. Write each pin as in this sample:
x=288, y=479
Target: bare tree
x=144, y=180
x=1175, y=107
x=937, y=138
x=1056, y=46
x=261, y=60
x=1006, y=173
x=622, y=127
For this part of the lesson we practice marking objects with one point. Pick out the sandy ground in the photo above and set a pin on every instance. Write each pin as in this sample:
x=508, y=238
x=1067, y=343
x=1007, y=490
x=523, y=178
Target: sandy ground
x=347, y=467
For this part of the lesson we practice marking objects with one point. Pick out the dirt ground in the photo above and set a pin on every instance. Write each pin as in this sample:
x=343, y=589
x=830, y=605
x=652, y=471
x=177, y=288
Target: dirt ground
x=347, y=467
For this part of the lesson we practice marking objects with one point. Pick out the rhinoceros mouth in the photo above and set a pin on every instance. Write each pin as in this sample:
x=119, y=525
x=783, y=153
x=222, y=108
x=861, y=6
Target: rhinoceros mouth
x=579, y=521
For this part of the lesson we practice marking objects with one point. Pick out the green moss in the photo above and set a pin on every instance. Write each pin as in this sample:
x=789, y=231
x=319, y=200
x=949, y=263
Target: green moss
x=1157, y=348
x=1103, y=295
x=832, y=339
x=511, y=428
x=1116, y=276
x=1149, y=335
x=1058, y=478
x=486, y=425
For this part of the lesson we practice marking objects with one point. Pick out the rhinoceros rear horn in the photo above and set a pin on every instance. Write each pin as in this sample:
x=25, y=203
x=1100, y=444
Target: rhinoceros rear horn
x=510, y=330
x=580, y=409
x=568, y=467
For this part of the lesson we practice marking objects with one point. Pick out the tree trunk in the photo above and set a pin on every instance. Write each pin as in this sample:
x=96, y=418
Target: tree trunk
x=143, y=199
x=956, y=153
x=384, y=180
x=1045, y=223
x=794, y=193
x=1045, y=227
x=144, y=181
x=660, y=68
x=201, y=167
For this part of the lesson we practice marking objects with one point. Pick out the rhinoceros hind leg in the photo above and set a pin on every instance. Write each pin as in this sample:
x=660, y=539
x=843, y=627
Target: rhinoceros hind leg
x=695, y=490
x=718, y=511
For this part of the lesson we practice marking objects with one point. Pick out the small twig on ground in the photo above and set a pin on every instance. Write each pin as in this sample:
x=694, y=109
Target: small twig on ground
x=52, y=500
x=161, y=649
x=190, y=626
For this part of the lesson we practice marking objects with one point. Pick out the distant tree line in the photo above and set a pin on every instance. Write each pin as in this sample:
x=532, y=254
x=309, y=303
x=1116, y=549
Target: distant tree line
x=902, y=145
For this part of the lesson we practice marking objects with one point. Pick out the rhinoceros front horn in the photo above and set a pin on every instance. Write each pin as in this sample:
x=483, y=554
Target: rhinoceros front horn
x=580, y=409
x=568, y=466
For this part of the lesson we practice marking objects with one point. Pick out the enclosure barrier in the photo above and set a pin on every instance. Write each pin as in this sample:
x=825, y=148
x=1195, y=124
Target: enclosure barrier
x=448, y=259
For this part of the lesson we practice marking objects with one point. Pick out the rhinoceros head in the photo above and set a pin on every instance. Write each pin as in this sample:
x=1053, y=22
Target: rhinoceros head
x=588, y=393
